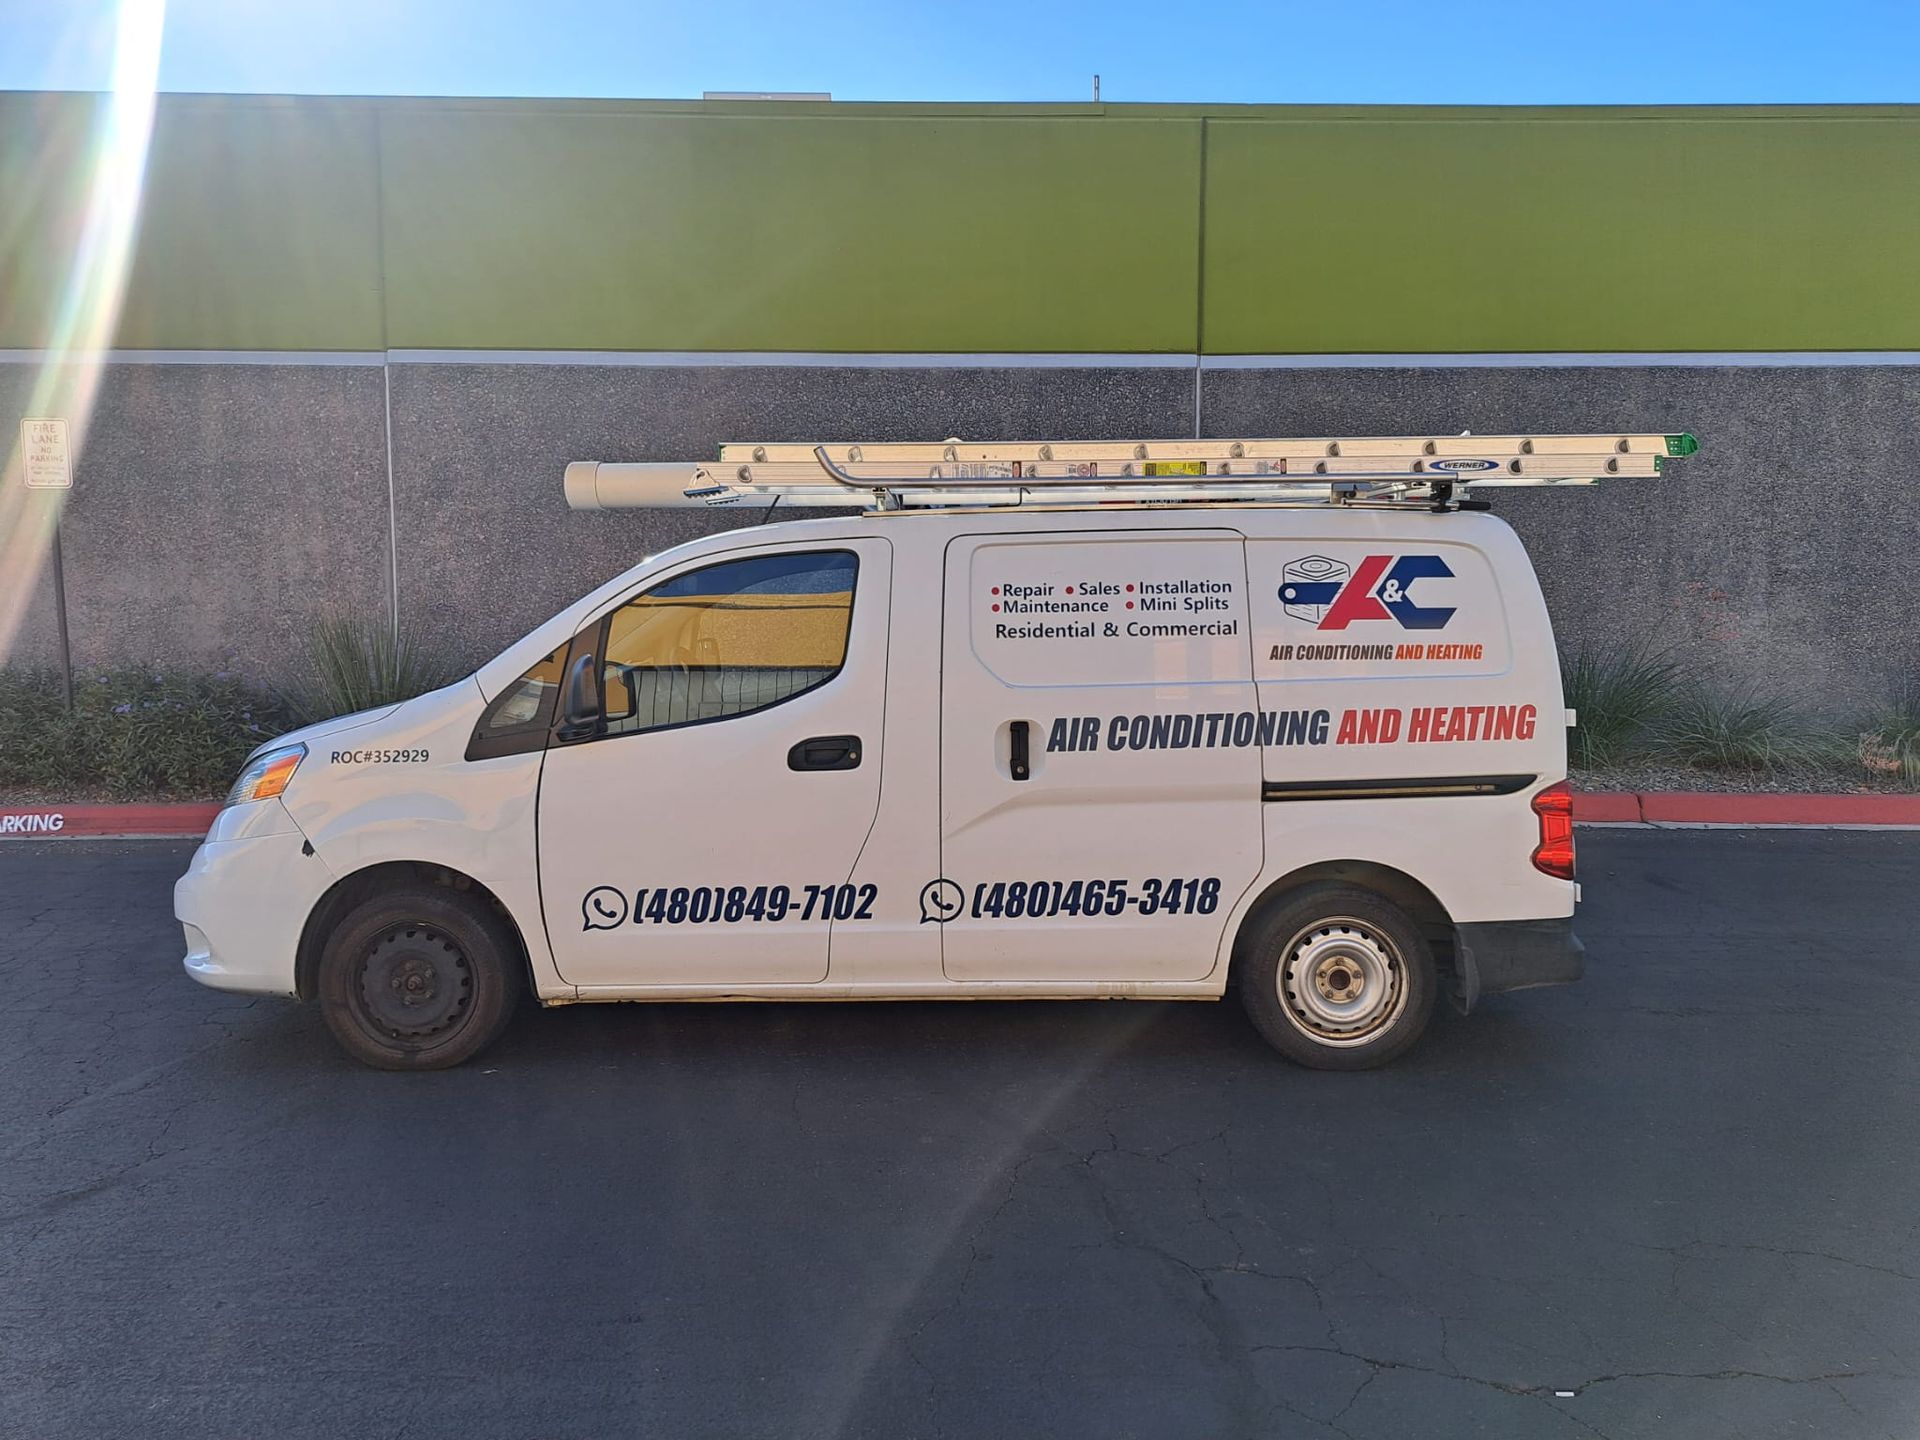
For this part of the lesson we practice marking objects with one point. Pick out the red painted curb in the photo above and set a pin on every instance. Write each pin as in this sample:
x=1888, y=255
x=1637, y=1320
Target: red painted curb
x=1606, y=807
x=1590, y=807
x=1681, y=808
x=51, y=822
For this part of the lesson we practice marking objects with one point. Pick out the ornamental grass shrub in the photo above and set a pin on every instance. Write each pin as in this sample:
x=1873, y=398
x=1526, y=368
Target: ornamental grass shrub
x=1752, y=728
x=135, y=732
x=1619, y=693
x=359, y=662
x=1890, y=740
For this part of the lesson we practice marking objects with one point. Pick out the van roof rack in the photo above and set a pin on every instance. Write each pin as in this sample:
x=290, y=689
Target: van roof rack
x=1426, y=471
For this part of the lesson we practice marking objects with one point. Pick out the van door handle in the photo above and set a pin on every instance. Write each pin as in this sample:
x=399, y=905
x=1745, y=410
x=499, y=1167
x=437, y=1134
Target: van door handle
x=826, y=752
x=1017, y=759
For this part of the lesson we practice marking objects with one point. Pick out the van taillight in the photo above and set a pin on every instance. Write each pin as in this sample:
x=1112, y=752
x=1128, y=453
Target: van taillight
x=1554, y=853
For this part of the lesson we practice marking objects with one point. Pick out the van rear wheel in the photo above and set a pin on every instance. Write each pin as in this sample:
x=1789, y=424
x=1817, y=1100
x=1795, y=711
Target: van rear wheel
x=1337, y=978
x=418, y=978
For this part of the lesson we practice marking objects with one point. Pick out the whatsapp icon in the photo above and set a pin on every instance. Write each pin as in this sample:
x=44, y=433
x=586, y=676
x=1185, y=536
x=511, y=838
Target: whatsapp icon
x=604, y=908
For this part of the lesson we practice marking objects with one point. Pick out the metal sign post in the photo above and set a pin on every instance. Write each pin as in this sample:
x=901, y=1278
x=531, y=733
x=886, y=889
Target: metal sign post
x=46, y=464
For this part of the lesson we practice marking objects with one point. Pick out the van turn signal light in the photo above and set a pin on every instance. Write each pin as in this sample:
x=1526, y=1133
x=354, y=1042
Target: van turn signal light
x=267, y=774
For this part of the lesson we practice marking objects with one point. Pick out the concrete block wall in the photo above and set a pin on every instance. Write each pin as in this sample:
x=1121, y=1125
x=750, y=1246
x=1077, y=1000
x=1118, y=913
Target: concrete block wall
x=219, y=508
x=1764, y=560
x=216, y=508
x=484, y=536
x=644, y=279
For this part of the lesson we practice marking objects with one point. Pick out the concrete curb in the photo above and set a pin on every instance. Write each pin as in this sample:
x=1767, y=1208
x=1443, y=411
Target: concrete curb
x=1676, y=809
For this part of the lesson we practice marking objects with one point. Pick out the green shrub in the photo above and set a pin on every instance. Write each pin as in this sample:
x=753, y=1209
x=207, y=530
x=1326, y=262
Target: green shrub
x=357, y=663
x=1890, y=744
x=1749, y=728
x=135, y=732
x=1618, y=693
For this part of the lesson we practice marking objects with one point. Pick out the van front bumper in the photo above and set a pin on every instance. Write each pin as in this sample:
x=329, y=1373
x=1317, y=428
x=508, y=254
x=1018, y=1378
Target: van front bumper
x=1493, y=958
x=243, y=902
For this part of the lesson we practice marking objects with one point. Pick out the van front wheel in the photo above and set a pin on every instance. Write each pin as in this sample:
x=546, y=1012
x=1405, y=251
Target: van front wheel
x=418, y=978
x=1337, y=978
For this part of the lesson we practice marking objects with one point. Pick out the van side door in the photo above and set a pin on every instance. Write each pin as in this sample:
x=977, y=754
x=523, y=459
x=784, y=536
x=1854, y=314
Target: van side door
x=706, y=831
x=1099, y=754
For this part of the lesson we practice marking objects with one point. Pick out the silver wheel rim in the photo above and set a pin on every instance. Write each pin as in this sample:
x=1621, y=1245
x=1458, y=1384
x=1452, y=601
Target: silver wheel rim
x=1342, y=982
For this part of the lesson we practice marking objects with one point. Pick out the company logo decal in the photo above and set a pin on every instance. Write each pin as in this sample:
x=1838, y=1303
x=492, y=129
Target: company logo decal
x=1332, y=596
x=1307, y=587
x=1463, y=466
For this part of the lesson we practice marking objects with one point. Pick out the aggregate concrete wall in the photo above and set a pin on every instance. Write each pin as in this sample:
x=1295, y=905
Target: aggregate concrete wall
x=1770, y=558
x=215, y=510
x=488, y=548
x=218, y=509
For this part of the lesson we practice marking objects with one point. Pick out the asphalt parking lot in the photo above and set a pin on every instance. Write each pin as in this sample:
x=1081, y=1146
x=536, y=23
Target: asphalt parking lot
x=1682, y=1191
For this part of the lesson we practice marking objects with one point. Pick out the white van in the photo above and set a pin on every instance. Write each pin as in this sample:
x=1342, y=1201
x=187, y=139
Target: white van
x=1022, y=730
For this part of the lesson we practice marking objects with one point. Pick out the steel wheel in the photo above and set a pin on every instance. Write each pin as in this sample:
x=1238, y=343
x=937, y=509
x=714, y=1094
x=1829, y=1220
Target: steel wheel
x=415, y=983
x=1342, y=981
x=418, y=977
x=1335, y=976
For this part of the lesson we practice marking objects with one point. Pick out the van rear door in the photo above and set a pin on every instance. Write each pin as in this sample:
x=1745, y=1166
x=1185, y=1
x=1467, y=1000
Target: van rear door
x=1099, y=755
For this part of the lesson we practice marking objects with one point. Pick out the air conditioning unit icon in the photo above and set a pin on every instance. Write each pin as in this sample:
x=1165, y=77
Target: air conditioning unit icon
x=1308, y=586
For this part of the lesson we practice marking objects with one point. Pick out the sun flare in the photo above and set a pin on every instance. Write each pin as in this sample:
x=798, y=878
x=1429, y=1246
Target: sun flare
x=67, y=381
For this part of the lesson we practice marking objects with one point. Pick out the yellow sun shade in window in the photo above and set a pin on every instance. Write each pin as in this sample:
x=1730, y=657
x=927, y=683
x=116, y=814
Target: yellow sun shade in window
x=761, y=631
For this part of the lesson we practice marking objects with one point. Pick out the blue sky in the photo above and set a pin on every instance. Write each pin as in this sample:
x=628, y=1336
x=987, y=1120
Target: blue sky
x=1408, y=51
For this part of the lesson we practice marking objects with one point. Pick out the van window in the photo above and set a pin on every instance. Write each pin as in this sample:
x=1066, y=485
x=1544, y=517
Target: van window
x=527, y=704
x=727, y=640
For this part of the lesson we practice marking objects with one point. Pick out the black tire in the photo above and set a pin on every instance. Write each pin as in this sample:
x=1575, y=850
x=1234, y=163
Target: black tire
x=1366, y=971
x=419, y=978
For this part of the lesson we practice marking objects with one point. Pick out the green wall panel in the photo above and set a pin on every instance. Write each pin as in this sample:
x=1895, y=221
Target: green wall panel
x=1672, y=232
x=347, y=224
x=683, y=231
x=260, y=230
x=43, y=153
x=258, y=223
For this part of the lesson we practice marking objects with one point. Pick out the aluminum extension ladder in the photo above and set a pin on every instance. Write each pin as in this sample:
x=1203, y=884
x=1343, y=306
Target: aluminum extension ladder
x=1424, y=470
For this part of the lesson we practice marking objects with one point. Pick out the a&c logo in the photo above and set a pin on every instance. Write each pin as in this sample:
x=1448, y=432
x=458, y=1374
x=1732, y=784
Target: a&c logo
x=1333, y=595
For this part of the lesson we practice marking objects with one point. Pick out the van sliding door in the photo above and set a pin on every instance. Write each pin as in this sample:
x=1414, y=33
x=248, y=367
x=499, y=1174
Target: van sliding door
x=1099, y=757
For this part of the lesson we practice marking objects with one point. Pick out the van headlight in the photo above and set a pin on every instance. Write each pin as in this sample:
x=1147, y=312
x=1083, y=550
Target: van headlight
x=267, y=774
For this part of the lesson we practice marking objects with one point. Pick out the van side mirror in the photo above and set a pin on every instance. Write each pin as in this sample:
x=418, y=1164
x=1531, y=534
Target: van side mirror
x=580, y=704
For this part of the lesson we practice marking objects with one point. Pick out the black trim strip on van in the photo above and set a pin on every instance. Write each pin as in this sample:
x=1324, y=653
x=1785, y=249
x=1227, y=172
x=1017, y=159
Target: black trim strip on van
x=1394, y=789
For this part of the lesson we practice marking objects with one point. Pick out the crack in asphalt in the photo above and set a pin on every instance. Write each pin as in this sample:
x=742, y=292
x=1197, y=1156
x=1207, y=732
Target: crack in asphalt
x=1681, y=1252
x=1227, y=1332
